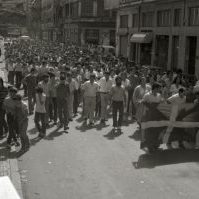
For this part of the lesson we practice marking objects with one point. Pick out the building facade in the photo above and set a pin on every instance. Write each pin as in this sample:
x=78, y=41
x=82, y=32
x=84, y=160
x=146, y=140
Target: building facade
x=79, y=21
x=163, y=33
x=13, y=18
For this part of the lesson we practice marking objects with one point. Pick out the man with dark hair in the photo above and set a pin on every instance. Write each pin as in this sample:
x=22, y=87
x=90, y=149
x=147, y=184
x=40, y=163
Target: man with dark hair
x=10, y=109
x=63, y=93
x=31, y=83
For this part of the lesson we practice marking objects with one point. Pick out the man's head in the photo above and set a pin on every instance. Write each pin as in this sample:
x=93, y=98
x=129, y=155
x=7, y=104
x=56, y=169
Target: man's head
x=156, y=87
x=92, y=77
x=118, y=81
x=181, y=92
x=107, y=74
x=12, y=92
x=45, y=78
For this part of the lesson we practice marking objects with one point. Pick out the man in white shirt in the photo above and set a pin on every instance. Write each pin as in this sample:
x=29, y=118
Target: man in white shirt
x=178, y=98
x=90, y=89
x=105, y=84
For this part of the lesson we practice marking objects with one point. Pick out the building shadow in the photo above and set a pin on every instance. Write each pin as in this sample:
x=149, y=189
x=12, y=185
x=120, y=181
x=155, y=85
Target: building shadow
x=113, y=134
x=136, y=135
x=166, y=157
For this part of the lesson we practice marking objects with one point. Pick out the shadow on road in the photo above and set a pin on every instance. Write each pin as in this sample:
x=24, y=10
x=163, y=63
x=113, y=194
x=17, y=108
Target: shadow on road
x=166, y=157
x=136, y=135
x=112, y=134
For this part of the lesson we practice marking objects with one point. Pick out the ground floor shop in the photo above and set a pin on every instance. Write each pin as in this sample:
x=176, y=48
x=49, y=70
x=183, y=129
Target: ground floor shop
x=167, y=51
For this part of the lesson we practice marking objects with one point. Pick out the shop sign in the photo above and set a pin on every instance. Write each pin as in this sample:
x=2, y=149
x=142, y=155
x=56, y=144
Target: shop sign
x=129, y=2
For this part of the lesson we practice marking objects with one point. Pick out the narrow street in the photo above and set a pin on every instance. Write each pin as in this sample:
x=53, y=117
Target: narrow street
x=95, y=163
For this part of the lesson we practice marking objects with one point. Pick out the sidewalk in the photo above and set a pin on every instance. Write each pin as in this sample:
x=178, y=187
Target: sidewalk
x=9, y=167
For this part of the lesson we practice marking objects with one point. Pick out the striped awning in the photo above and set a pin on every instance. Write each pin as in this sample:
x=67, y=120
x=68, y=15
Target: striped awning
x=141, y=38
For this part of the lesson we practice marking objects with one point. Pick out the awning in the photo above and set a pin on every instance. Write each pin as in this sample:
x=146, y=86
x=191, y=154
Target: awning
x=141, y=38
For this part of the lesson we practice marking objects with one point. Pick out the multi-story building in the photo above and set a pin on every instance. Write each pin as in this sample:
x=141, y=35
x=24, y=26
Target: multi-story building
x=85, y=21
x=12, y=17
x=163, y=33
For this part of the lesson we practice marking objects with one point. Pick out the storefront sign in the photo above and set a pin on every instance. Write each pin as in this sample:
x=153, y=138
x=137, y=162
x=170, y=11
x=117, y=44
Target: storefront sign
x=129, y=2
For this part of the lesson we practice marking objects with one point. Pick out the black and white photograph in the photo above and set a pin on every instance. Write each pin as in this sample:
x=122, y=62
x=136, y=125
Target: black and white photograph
x=99, y=99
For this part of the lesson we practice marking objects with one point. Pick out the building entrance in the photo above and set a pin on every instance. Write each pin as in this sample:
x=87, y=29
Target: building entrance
x=162, y=47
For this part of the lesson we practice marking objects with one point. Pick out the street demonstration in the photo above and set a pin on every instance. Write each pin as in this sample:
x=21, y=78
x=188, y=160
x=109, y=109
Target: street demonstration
x=58, y=83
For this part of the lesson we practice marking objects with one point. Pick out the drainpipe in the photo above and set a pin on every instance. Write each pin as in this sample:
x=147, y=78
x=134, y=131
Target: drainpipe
x=139, y=27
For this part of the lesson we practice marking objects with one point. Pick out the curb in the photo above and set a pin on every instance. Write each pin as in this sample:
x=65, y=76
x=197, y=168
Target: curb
x=15, y=176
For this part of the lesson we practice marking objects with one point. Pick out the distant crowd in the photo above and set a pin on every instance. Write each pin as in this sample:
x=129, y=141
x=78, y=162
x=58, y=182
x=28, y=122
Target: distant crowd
x=57, y=79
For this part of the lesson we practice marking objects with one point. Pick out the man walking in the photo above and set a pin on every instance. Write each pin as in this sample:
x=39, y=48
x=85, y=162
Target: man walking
x=63, y=94
x=105, y=84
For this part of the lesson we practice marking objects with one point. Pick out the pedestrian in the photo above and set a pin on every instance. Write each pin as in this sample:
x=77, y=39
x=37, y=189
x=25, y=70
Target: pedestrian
x=63, y=94
x=44, y=84
x=21, y=115
x=9, y=106
x=31, y=83
x=53, y=98
x=105, y=84
x=3, y=124
x=118, y=103
x=73, y=88
x=11, y=70
x=18, y=73
x=40, y=112
x=89, y=90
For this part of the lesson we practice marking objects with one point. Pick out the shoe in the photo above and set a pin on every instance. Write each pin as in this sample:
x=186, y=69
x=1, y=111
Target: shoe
x=55, y=123
x=66, y=128
x=17, y=144
x=70, y=119
x=91, y=124
x=60, y=125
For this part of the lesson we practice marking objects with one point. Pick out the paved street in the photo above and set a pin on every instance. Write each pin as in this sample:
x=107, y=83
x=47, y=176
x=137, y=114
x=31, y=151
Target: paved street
x=96, y=164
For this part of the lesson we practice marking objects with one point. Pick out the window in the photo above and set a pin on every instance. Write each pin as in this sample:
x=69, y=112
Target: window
x=124, y=21
x=87, y=8
x=164, y=18
x=147, y=19
x=177, y=17
x=194, y=16
x=135, y=20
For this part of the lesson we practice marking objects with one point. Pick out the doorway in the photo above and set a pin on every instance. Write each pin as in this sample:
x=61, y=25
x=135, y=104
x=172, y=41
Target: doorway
x=162, y=48
x=191, y=46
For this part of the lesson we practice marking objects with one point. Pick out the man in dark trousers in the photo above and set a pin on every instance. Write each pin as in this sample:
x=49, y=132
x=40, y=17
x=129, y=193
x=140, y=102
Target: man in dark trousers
x=63, y=93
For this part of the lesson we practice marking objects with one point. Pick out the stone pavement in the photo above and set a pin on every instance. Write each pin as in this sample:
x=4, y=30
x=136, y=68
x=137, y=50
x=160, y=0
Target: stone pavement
x=9, y=167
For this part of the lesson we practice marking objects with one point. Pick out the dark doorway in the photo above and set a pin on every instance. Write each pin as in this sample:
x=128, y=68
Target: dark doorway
x=162, y=48
x=175, y=53
x=191, y=54
x=145, y=54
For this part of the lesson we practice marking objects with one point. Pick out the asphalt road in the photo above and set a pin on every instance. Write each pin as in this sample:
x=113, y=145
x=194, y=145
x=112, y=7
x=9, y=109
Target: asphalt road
x=95, y=163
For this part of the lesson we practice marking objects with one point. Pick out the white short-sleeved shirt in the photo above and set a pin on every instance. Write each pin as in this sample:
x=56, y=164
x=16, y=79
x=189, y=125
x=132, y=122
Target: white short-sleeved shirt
x=40, y=108
x=150, y=98
x=90, y=90
x=177, y=100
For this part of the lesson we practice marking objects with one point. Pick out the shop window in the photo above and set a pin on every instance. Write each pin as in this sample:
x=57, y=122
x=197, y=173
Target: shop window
x=147, y=19
x=194, y=16
x=164, y=18
x=135, y=20
x=124, y=21
x=177, y=17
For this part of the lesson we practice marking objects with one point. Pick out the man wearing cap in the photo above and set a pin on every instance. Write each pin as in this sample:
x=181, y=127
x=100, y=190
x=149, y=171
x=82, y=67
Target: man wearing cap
x=105, y=84
x=18, y=73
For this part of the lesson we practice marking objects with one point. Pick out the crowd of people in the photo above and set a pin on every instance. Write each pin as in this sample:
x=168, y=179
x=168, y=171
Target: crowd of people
x=58, y=79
